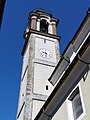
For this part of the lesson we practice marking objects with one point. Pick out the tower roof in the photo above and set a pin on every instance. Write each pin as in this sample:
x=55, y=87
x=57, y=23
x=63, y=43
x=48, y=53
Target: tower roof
x=40, y=12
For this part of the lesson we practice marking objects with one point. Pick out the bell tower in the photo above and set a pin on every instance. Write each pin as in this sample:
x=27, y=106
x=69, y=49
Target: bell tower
x=40, y=56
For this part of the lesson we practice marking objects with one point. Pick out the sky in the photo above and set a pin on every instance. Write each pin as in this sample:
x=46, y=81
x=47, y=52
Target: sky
x=15, y=18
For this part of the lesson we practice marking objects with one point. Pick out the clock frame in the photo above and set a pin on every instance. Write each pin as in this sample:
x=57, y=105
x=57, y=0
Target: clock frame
x=45, y=53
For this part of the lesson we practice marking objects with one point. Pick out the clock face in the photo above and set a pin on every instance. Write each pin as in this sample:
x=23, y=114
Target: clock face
x=45, y=53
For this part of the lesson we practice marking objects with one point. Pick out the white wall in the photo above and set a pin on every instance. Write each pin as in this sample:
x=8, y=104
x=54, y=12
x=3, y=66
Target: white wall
x=23, y=79
x=25, y=59
x=37, y=105
x=41, y=75
x=23, y=90
x=49, y=45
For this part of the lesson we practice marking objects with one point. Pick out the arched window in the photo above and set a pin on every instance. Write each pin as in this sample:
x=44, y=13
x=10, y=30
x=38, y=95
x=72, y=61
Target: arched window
x=44, y=26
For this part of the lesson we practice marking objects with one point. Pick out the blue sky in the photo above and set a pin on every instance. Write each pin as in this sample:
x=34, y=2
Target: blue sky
x=70, y=13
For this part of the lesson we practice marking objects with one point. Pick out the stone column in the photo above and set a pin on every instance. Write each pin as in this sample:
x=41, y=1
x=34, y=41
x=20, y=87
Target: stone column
x=34, y=22
x=50, y=28
x=38, y=24
x=54, y=28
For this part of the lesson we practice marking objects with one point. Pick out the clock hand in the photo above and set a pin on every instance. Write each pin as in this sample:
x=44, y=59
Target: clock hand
x=45, y=53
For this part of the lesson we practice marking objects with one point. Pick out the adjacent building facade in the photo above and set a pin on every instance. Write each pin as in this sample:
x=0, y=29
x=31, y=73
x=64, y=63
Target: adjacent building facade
x=54, y=87
x=70, y=98
x=76, y=104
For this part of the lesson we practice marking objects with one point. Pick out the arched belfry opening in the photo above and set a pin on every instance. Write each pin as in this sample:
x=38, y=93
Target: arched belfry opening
x=44, y=26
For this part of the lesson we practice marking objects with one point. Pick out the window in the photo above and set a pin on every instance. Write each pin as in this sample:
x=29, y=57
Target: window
x=43, y=26
x=76, y=103
x=20, y=110
x=45, y=41
x=46, y=87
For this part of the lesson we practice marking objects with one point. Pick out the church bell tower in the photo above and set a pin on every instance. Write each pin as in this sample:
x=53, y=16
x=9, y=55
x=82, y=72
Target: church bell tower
x=40, y=56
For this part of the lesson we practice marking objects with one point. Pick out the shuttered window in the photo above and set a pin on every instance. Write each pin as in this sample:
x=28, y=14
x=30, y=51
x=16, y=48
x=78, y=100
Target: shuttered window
x=76, y=103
